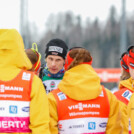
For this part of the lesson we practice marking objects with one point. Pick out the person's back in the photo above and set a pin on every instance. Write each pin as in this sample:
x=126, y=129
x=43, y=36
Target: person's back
x=77, y=106
x=53, y=72
x=22, y=95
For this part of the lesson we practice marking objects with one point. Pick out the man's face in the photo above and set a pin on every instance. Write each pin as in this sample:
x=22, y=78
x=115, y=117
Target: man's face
x=54, y=63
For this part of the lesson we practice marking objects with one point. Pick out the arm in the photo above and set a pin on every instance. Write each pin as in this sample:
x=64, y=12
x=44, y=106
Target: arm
x=124, y=117
x=131, y=112
x=114, y=125
x=39, y=110
x=53, y=114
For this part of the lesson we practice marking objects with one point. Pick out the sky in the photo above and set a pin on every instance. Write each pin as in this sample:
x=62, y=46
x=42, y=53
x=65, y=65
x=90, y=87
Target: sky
x=39, y=10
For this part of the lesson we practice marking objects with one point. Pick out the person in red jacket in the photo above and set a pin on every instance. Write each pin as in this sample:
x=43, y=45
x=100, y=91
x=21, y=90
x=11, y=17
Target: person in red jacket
x=77, y=106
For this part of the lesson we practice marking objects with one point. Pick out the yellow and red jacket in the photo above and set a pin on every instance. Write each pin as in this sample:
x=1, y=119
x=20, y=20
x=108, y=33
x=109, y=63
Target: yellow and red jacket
x=124, y=96
x=15, y=103
x=90, y=116
x=81, y=88
x=13, y=65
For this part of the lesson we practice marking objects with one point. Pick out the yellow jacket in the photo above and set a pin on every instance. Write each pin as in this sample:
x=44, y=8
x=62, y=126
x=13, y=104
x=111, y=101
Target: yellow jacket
x=130, y=107
x=82, y=83
x=12, y=60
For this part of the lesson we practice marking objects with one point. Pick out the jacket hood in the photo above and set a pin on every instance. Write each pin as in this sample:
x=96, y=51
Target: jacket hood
x=129, y=83
x=81, y=83
x=12, y=54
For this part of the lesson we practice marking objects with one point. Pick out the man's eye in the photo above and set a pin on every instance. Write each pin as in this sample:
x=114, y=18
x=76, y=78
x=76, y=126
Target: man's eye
x=50, y=59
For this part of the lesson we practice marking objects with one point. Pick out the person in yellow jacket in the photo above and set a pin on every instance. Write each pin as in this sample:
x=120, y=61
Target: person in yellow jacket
x=81, y=104
x=23, y=101
x=122, y=93
x=126, y=92
x=131, y=112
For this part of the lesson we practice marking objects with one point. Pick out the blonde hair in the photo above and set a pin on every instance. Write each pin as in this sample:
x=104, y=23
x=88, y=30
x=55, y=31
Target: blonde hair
x=79, y=55
x=124, y=75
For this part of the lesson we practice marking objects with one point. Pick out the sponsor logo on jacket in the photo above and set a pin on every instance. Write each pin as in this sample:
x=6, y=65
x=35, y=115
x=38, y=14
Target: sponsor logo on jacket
x=91, y=125
x=26, y=76
x=81, y=106
x=13, y=124
x=25, y=109
x=60, y=127
x=3, y=88
x=61, y=96
x=103, y=124
x=127, y=94
x=76, y=126
x=13, y=109
x=2, y=108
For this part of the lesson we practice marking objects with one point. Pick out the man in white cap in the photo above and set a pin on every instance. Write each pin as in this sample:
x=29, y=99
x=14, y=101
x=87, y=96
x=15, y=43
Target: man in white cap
x=55, y=54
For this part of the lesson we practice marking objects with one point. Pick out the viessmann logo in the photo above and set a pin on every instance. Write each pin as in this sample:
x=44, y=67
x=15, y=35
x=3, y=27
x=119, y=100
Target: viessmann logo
x=81, y=106
x=3, y=88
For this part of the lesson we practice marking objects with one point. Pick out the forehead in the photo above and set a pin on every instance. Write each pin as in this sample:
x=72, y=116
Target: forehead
x=55, y=57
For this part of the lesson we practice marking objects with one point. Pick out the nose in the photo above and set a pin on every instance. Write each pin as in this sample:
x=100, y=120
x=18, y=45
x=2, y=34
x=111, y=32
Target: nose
x=53, y=63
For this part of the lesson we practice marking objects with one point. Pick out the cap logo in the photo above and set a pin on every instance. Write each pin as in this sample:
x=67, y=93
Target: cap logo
x=54, y=53
x=124, y=66
x=56, y=49
x=132, y=64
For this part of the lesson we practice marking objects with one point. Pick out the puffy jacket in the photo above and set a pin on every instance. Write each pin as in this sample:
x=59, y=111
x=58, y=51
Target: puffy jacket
x=82, y=83
x=12, y=60
x=123, y=106
x=127, y=108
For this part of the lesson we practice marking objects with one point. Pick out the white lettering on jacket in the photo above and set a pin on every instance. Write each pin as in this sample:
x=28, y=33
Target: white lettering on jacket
x=14, y=124
x=12, y=88
x=81, y=106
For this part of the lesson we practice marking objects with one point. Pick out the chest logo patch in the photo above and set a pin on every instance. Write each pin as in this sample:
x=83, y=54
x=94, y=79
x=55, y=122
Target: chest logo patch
x=52, y=84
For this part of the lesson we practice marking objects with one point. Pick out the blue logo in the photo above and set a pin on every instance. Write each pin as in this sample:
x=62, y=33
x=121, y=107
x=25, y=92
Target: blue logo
x=25, y=109
x=129, y=97
x=103, y=124
x=125, y=94
x=61, y=96
x=13, y=109
x=91, y=125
